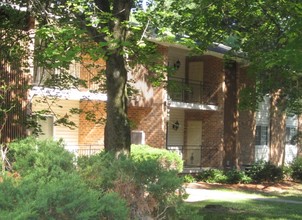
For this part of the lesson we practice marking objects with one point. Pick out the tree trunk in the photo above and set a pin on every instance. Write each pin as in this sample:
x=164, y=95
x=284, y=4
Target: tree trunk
x=230, y=160
x=117, y=129
x=277, y=129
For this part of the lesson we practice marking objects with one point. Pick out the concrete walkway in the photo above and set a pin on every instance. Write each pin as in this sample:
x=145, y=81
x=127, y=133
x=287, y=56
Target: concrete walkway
x=197, y=194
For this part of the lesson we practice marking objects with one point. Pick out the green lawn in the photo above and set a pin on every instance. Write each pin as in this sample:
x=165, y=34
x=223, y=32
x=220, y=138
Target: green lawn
x=244, y=209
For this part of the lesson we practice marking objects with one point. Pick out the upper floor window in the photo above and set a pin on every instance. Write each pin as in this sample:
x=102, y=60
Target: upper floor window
x=261, y=137
x=41, y=74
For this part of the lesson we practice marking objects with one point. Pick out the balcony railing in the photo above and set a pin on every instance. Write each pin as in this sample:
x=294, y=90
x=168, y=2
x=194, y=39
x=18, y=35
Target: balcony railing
x=85, y=150
x=196, y=155
x=192, y=91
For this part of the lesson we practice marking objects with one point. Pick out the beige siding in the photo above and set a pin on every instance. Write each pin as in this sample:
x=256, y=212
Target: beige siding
x=62, y=108
x=176, y=54
x=176, y=137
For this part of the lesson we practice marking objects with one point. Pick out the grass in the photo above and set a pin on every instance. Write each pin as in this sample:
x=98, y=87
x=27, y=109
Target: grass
x=244, y=209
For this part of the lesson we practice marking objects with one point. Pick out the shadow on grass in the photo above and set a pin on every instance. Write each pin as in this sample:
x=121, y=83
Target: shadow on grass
x=245, y=209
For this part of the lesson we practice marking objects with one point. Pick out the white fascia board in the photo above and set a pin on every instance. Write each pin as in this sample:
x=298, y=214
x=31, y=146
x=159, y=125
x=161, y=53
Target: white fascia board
x=194, y=106
x=67, y=94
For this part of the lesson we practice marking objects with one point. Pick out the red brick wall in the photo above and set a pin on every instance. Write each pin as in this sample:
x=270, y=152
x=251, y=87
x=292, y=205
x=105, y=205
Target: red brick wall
x=147, y=109
x=151, y=120
x=90, y=132
x=90, y=69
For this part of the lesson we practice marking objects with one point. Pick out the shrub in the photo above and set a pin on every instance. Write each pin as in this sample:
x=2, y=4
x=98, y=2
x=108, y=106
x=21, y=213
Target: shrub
x=67, y=197
x=167, y=159
x=45, y=158
x=212, y=176
x=148, y=180
x=189, y=178
x=50, y=187
x=237, y=176
x=220, y=176
x=296, y=167
x=265, y=172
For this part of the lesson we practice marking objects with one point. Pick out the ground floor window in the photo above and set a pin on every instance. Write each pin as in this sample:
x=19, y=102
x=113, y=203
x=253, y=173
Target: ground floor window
x=47, y=127
x=261, y=137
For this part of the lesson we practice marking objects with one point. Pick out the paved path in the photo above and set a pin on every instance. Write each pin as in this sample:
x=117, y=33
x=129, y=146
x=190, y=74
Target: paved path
x=198, y=194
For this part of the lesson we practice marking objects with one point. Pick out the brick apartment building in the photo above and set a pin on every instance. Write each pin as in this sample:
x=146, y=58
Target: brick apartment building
x=195, y=113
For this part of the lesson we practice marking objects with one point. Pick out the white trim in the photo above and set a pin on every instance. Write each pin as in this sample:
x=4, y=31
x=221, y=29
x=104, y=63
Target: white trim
x=68, y=94
x=183, y=105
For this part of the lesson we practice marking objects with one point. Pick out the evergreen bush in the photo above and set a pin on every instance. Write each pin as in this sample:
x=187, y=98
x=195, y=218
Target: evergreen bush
x=212, y=176
x=189, y=178
x=148, y=179
x=237, y=176
x=296, y=167
x=263, y=171
x=40, y=157
x=49, y=187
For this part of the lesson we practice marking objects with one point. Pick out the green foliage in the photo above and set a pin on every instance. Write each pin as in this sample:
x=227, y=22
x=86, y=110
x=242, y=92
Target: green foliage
x=189, y=178
x=111, y=206
x=265, y=33
x=50, y=187
x=47, y=158
x=263, y=171
x=169, y=160
x=237, y=176
x=220, y=176
x=212, y=176
x=296, y=167
x=66, y=197
x=147, y=180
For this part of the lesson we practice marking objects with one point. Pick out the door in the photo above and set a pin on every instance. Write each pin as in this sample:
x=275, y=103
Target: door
x=194, y=141
x=195, y=77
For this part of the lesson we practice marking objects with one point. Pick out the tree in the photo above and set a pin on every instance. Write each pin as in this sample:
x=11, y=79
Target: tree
x=100, y=29
x=265, y=33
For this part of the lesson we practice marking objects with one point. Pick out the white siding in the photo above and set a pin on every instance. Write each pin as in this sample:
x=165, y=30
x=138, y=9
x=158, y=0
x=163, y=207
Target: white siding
x=61, y=108
x=291, y=150
x=262, y=118
x=292, y=121
x=261, y=153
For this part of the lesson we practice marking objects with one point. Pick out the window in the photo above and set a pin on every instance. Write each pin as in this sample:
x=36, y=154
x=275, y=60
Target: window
x=261, y=137
x=46, y=127
x=291, y=133
x=41, y=74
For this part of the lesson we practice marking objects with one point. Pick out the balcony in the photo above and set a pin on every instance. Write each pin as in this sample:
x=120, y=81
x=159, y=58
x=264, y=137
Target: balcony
x=191, y=91
x=85, y=150
x=197, y=156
